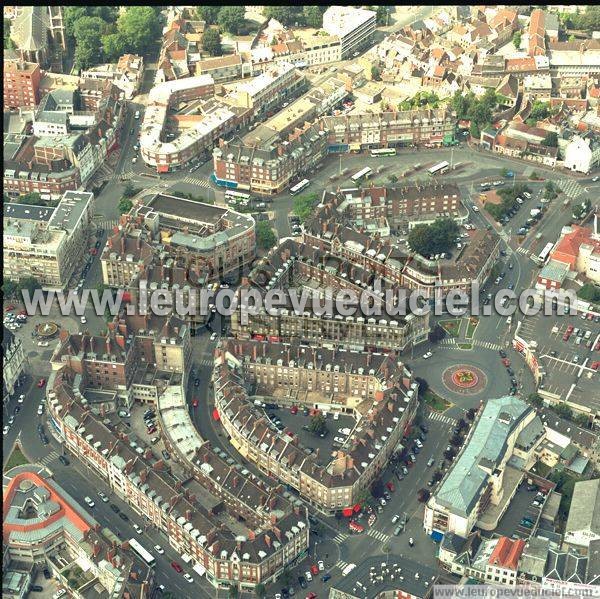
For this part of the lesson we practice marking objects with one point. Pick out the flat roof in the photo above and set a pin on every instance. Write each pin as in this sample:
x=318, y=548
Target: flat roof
x=70, y=209
x=27, y=212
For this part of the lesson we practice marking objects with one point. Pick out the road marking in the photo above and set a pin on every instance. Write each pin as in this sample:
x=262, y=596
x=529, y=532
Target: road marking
x=47, y=459
x=341, y=564
x=522, y=250
x=340, y=537
x=377, y=534
x=436, y=417
x=196, y=181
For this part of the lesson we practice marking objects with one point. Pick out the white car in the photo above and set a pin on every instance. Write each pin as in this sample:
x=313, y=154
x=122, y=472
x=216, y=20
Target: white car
x=159, y=549
x=595, y=179
x=475, y=208
x=89, y=501
x=519, y=200
x=336, y=415
x=83, y=320
x=308, y=576
x=42, y=344
x=395, y=518
x=321, y=565
x=40, y=410
x=5, y=430
x=21, y=398
x=134, y=160
x=188, y=577
x=382, y=501
x=138, y=529
x=103, y=496
x=427, y=355
x=339, y=440
x=213, y=336
x=11, y=420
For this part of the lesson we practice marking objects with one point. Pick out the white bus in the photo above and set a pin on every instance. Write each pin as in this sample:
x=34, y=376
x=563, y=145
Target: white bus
x=544, y=254
x=238, y=195
x=364, y=173
x=438, y=169
x=299, y=186
x=142, y=553
x=383, y=152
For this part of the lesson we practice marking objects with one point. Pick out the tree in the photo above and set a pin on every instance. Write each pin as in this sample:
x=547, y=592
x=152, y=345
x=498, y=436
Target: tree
x=474, y=130
x=88, y=34
x=208, y=13
x=265, y=237
x=260, y=591
x=318, y=424
x=313, y=16
x=129, y=190
x=375, y=73
x=564, y=410
x=303, y=205
x=114, y=46
x=33, y=199
x=516, y=40
x=435, y=238
x=29, y=283
x=377, y=488
x=471, y=414
x=590, y=293
x=535, y=400
x=392, y=179
x=231, y=18
x=286, y=15
x=8, y=43
x=140, y=27
x=211, y=42
x=9, y=288
x=382, y=13
x=460, y=104
x=71, y=14
x=125, y=206
x=539, y=111
x=551, y=140
x=423, y=385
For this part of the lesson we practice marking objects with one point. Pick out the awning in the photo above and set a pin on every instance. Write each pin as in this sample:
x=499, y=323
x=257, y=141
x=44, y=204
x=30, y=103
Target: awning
x=356, y=526
x=437, y=536
x=354, y=146
x=186, y=558
x=200, y=569
x=347, y=512
x=162, y=168
x=356, y=508
x=216, y=415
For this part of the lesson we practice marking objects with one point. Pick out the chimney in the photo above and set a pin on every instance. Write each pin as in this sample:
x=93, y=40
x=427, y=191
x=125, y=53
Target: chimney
x=188, y=515
x=236, y=480
x=122, y=244
x=267, y=537
x=143, y=475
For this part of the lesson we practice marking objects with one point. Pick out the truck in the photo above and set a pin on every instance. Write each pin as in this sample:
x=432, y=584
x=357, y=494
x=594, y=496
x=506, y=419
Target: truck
x=534, y=212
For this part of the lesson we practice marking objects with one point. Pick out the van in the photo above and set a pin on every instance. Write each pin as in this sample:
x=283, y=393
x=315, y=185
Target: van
x=348, y=569
x=59, y=593
x=137, y=114
x=587, y=335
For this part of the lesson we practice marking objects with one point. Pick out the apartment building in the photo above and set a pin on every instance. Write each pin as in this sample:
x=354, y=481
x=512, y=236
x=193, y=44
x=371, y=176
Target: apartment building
x=43, y=525
x=232, y=529
x=377, y=390
x=264, y=163
x=127, y=74
x=354, y=27
x=478, y=487
x=21, y=84
x=223, y=68
x=213, y=240
x=48, y=244
x=13, y=361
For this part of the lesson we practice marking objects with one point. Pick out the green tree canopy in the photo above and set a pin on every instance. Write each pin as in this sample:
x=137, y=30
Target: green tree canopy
x=9, y=288
x=114, y=46
x=8, y=43
x=130, y=190
x=435, y=238
x=211, y=42
x=231, y=18
x=303, y=205
x=265, y=237
x=140, y=27
x=517, y=39
x=376, y=73
x=88, y=35
x=209, y=13
x=313, y=16
x=286, y=15
x=29, y=283
x=589, y=293
x=318, y=424
x=125, y=206
x=551, y=140
x=382, y=13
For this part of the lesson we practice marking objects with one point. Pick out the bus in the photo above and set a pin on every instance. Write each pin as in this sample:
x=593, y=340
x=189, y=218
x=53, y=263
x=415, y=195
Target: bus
x=299, y=186
x=365, y=172
x=383, y=152
x=142, y=553
x=544, y=254
x=438, y=169
x=237, y=195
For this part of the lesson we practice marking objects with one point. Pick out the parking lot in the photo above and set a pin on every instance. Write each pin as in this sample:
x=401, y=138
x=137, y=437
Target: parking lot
x=298, y=424
x=521, y=509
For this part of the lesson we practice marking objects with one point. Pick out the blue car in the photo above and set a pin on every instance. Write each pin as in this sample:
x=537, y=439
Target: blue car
x=326, y=577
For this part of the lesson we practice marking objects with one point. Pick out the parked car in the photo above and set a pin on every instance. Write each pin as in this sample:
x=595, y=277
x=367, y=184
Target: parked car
x=89, y=501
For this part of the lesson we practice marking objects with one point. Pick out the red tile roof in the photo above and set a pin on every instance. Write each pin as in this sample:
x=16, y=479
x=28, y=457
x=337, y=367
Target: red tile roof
x=507, y=553
x=570, y=243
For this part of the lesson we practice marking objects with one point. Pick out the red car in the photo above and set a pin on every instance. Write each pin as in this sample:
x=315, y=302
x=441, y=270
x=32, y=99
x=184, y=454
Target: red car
x=595, y=365
x=294, y=410
x=93, y=251
x=311, y=595
x=41, y=383
x=152, y=430
x=314, y=570
x=506, y=362
x=195, y=403
x=9, y=308
x=390, y=486
x=176, y=567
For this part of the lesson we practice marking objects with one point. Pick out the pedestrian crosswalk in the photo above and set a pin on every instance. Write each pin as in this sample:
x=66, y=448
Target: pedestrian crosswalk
x=205, y=362
x=571, y=187
x=341, y=564
x=47, y=459
x=377, y=534
x=448, y=341
x=195, y=181
x=109, y=223
x=340, y=538
x=437, y=417
x=486, y=344
x=524, y=251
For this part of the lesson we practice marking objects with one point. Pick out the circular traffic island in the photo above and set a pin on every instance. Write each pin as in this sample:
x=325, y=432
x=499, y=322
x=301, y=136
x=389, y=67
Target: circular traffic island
x=47, y=330
x=464, y=379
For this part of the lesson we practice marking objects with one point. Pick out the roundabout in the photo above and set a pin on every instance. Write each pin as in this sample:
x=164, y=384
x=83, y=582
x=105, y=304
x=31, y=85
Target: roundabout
x=464, y=379
x=46, y=330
